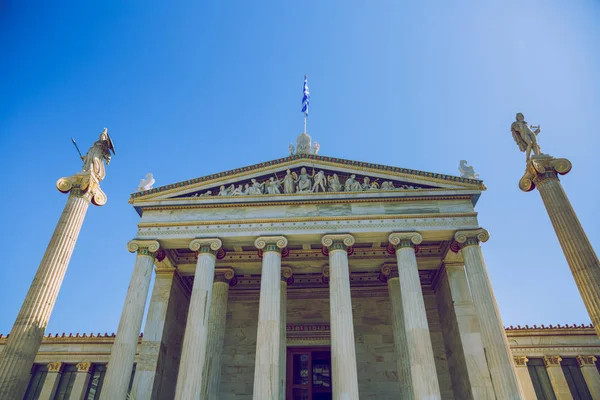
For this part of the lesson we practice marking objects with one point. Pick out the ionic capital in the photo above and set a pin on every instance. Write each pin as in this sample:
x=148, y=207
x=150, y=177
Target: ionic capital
x=520, y=361
x=271, y=243
x=401, y=240
x=83, y=184
x=144, y=247
x=337, y=242
x=55, y=367
x=541, y=168
x=325, y=275
x=552, y=361
x=225, y=275
x=463, y=239
x=210, y=246
x=84, y=367
x=388, y=272
x=586, y=361
x=287, y=275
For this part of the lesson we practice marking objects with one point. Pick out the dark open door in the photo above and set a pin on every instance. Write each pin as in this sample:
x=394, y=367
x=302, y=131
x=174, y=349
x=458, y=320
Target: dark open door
x=308, y=373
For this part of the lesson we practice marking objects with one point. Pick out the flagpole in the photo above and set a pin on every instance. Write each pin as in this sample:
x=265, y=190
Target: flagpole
x=304, y=123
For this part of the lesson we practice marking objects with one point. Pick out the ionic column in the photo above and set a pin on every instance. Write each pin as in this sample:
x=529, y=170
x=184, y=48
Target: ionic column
x=557, y=378
x=499, y=356
x=590, y=374
x=423, y=374
x=193, y=354
x=122, y=354
x=542, y=172
x=51, y=383
x=343, y=349
x=524, y=377
x=268, y=341
x=462, y=337
x=82, y=379
x=16, y=360
x=216, y=332
x=286, y=278
x=390, y=275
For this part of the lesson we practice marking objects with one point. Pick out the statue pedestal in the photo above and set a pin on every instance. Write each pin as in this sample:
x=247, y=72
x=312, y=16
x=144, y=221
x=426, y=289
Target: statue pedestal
x=542, y=172
x=26, y=335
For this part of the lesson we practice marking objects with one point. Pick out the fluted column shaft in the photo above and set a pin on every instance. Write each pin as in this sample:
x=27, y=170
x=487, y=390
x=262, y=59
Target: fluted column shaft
x=193, y=354
x=122, y=354
x=590, y=374
x=26, y=334
x=268, y=341
x=216, y=333
x=55, y=370
x=499, y=356
x=578, y=250
x=343, y=348
x=400, y=342
x=423, y=374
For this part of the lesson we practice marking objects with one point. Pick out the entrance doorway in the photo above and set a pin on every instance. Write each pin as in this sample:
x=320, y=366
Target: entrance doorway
x=308, y=373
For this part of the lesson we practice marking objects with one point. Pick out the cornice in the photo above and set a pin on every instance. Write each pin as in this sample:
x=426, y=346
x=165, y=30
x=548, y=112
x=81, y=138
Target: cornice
x=329, y=161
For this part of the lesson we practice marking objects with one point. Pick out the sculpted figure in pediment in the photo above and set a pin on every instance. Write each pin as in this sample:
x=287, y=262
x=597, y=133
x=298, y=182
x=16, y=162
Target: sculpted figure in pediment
x=387, y=185
x=223, y=191
x=256, y=188
x=272, y=186
x=334, y=183
x=289, y=182
x=352, y=185
x=304, y=181
x=319, y=182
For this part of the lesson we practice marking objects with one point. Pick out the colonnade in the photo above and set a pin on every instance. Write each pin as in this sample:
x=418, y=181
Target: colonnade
x=199, y=368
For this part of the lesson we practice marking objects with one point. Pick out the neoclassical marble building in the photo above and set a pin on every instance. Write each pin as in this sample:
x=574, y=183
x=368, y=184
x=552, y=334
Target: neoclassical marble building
x=311, y=277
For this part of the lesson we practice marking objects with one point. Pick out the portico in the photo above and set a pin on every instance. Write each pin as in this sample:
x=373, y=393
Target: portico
x=354, y=273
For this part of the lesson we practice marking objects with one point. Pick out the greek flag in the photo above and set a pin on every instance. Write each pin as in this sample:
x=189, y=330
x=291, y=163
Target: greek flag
x=305, y=98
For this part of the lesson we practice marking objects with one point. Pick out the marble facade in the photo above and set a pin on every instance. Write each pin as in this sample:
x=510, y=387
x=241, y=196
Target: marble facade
x=381, y=266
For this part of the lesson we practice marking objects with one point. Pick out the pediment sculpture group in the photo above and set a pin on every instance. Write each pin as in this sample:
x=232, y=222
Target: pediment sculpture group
x=304, y=183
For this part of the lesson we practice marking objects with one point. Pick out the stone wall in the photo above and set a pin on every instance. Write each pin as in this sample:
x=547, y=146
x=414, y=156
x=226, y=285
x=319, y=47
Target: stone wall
x=377, y=376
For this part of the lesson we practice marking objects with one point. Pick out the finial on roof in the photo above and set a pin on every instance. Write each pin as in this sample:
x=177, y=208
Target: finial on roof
x=304, y=145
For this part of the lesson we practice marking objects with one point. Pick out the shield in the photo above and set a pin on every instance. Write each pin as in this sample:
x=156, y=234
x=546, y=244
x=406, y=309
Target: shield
x=111, y=145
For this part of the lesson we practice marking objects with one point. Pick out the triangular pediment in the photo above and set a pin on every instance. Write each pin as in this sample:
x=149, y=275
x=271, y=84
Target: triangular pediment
x=308, y=174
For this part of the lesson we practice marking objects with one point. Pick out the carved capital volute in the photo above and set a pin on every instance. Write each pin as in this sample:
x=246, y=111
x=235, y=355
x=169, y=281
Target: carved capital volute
x=400, y=240
x=463, y=239
x=225, y=275
x=552, y=361
x=83, y=184
x=387, y=272
x=271, y=243
x=341, y=242
x=144, y=247
x=325, y=275
x=521, y=361
x=55, y=367
x=586, y=361
x=84, y=367
x=210, y=246
x=287, y=275
x=542, y=168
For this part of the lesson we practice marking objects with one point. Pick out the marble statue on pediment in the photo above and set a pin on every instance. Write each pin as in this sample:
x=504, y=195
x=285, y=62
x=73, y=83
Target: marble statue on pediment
x=97, y=155
x=334, y=183
x=387, y=185
x=256, y=188
x=291, y=149
x=467, y=171
x=352, y=185
x=319, y=182
x=146, y=183
x=272, y=186
x=304, y=182
x=525, y=137
x=289, y=182
x=316, y=147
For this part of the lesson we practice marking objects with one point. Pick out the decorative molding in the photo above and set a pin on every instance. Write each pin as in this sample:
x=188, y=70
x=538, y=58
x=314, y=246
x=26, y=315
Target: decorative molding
x=55, y=367
x=541, y=168
x=463, y=239
x=520, y=361
x=143, y=247
x=586, y=361
x=552, y=361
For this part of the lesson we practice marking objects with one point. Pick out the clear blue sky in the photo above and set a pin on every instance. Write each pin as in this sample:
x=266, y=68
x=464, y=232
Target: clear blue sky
x=189, y=89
